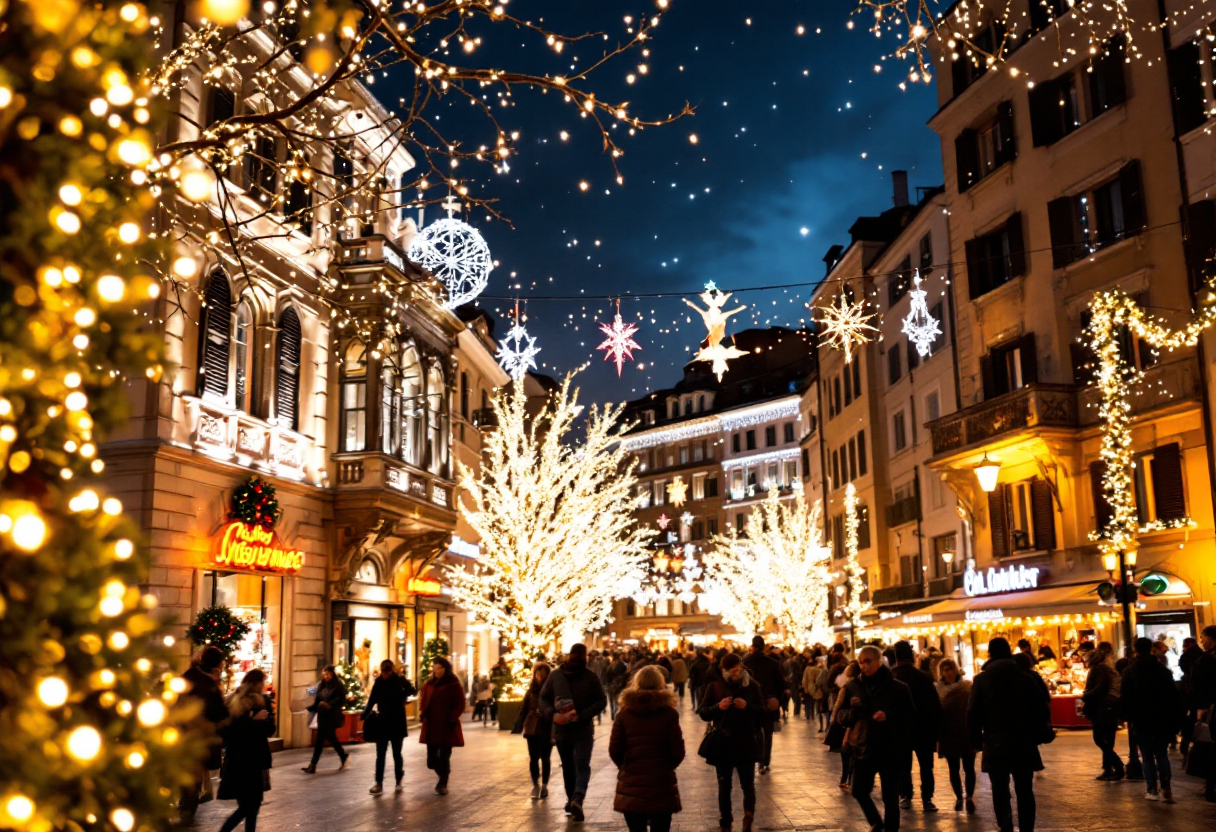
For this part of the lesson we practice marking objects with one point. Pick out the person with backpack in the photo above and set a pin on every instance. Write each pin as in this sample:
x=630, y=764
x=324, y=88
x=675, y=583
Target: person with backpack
x=328, y=717
x=734, y=706
x=1150, y=702
x=572, y=698
x=385, y=709
x=647, y=746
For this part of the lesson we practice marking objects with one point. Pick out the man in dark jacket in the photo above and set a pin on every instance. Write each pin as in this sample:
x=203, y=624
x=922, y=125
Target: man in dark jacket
x=1191, y=651
x=1009, y=716
x=924, y=732
x=1203, y=695
x=697, y=670
x=733, y=704
x=1150, y=703
x=767, y=673
x=879, y=713
x=1100, y=705
x=573, y=697
x=204, y=680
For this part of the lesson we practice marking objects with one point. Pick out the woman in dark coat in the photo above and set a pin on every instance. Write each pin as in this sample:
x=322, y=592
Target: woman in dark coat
x=441, y=705
x=327, y=708
x=538, y=731
x=387, y=700
x=647, y=747
x=953, y=739
x=244, y=776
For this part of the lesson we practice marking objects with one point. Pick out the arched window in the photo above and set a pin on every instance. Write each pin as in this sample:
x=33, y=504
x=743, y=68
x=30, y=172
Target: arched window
x=390, y=413
x=243, y=344
x=215, y=334
x=436, y=415
x=411, y=407
x=287, y=383
x=354, y=397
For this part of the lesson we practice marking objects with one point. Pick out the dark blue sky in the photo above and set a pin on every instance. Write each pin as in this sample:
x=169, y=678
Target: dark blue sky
x=796, y=137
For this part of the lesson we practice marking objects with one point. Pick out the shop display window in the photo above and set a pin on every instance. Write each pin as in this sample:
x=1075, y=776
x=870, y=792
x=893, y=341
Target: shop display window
x=257, y=600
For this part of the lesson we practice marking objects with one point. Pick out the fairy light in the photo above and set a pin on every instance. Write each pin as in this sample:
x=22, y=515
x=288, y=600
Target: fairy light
x=854, y=573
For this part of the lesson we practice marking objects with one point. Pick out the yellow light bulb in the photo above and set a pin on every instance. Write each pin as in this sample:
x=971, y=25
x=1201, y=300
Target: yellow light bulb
x=84, y=743
x=67, y=222
x=52, y=692
x=123, y=820
x=119, y=641
x=134, y=152
x=19, y=808
x=128, y=232
x=123, y=549
x=76, y=401
x=71, y=195
x=111, y=607
x=29, y=532
x=223, y=12
x=136, y=759
x=111, y=287
x=196, y=185
x=150, y=712
x=112, y=506
x=185, y=267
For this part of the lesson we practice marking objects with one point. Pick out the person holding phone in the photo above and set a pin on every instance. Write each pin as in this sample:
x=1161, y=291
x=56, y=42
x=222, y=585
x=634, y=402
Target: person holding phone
x=245, y=774
x=734, y=705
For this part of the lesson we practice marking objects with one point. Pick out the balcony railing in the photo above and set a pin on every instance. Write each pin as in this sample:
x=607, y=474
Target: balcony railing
x=374, y=248
x=485, y=419
x=1162, y=384
x=895, y=594
x=375, y=470
x=903, y=511
x=235, y=436
x=1036, y=405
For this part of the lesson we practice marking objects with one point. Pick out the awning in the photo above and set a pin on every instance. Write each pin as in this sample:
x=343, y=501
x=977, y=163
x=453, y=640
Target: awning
x=1045, y=603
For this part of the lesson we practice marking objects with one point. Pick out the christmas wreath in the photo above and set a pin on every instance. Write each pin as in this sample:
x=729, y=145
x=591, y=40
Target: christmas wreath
x=217, y=626
x=254, y=503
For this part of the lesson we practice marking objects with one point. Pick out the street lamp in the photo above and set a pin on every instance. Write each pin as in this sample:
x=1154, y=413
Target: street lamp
x=1110, y=562
x=987, y=473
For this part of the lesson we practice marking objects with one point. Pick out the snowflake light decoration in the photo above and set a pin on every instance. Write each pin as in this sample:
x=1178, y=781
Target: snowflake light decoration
x=715, y=321
x=920, y=327
x=456, y=253
x=517, y=352
x=845, y=325
x=663, y=521
x=677, y=492
x=619, y=344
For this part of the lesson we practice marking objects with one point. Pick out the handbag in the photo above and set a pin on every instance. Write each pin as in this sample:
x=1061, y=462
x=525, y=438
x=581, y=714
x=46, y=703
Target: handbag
x=265, y=779
x=313, y=723
x=713, y=745
x=834, y=737
x=1203, y=726
x=372, y=728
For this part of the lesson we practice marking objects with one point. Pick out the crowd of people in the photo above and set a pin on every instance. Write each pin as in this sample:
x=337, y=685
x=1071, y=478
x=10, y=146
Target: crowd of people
x=889, y=713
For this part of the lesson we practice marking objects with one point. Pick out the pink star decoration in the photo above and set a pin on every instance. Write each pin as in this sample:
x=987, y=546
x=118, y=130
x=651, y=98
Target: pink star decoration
x=619, y=344
x=663, y=521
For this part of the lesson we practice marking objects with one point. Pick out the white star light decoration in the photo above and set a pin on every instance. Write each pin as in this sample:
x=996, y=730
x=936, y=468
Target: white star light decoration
x=920, y=327
x=454, y=252
x=845, y=325
x=686, y=519
x=677, y=492
x=715, y=322
x=517, y=352
x=619, y=344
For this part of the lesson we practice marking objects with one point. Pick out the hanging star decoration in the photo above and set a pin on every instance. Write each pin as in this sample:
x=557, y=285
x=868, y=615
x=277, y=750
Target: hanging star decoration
x=619, y=344
x=456, y=253
x=715, y=321
x=845, y=325
x=517, y=352
x=663, y=521
x=920, y=327
x=677, y=492
x=686, y=518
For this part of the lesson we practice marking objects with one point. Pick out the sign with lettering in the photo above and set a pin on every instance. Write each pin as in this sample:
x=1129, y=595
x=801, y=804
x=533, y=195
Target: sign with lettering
x=423, y=586
x=255, y=549
x=984, y=615
x=1009, y=579
x=918, y=618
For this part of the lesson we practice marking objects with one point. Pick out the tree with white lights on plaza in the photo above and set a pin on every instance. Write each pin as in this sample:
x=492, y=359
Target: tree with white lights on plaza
x=555, y=518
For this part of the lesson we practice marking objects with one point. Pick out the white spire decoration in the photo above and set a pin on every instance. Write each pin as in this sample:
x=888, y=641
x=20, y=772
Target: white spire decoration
x=517, y=352
x=454, y=252
x=920, y=327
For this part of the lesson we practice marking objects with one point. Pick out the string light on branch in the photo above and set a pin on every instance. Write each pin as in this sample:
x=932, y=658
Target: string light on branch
x=855, y=575
x=456, y=253
x=619, y=344
x=920, y=326
x=845, y=325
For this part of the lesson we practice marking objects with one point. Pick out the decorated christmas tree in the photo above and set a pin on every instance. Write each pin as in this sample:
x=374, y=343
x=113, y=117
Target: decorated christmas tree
x=89, y=737
x=356, y=697
x=434, y=648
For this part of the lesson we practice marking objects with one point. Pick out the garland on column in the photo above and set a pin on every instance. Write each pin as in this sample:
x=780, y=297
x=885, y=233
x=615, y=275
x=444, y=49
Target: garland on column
x=255, y=503
x=854, y=572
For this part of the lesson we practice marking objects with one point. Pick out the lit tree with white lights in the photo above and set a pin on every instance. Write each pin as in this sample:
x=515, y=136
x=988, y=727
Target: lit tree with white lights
x=555, y=518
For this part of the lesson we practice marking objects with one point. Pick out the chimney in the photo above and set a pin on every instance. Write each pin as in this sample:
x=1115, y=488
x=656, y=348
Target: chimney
x=899, y=180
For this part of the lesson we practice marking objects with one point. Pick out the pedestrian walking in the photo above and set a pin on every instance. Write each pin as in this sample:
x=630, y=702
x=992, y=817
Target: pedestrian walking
x=1202, y=760
x=1150, y=702
x=483, y=699
x=385, y=709
x=697, y=671
x=245, y=775
x=765, y=670
x=327, y=718
x=953, y=740
x=879, y=713
x=1191, y=651
x=1100, y=705
x=1008, y=718
x=679, y=674
x=647, y=747
x=924, y=731
x=204, y=680
x=538, y=732
x=572, y=697
x=440, y=709
x=616, y=677
x=837, y=738
x=735, y=707
x=811, y=691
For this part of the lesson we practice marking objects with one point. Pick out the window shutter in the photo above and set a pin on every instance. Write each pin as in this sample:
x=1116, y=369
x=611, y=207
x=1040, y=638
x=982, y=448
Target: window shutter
x=861, y=453
x=1007, y=148
x=1017, y=244
x=1000, y=371
x=288, y=381
x=1103, y=513
x=1186, y=82
x=1134, y=216
x=997, y=523
x=1061, y=217
x=1044, y=515
x=1030, y=359
x=894, y=370
x=1114, y=81
x=960, y=75
x=1201, y=239
x=975, y=265
x=987, y=376
x=1167, y=482
x=223, y=105
x=967, y=158
x=1083, y=362
x=215, y=337
x=913, y=356
x=1044, y=114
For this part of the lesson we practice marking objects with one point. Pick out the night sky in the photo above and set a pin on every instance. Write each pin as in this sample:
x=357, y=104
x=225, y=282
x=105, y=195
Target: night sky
x=795, y=136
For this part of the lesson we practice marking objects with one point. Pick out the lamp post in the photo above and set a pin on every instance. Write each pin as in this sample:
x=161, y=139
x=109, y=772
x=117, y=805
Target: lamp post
x=1124, y=562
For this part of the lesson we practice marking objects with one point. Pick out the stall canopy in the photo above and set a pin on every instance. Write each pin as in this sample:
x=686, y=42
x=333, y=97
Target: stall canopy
x=1072, y=599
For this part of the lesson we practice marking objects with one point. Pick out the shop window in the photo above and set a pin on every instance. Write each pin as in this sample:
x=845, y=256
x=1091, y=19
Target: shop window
x=995, y=258
x=216, y=332
x=287, y=381
x=770, y=436
x=243, y=347
x=257, y=600
x=1009, y=367
x=1022, y=517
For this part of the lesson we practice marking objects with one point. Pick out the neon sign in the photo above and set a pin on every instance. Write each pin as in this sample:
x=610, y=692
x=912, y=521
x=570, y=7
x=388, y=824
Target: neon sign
x=256, y=549
x=984, y=615
x=423, y=586
x=1010, y=579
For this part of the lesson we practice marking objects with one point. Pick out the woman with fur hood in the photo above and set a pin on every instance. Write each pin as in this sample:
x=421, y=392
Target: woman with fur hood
x=245, y=774
x=647, y=747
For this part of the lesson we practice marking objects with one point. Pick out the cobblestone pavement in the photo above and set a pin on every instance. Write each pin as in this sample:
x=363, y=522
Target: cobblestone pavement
x=490, y=791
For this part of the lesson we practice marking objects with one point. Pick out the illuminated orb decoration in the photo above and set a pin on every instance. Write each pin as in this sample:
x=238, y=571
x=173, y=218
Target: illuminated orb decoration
x=456, y=254
x=920, y=327
x=619, y=344
x=517, y=352
x=845, y=325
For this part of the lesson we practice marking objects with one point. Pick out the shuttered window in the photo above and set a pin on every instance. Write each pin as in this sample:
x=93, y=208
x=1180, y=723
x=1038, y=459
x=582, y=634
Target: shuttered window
x=1168, y=498
x=1103, y=513
x=996, y=257
x=216, y=334
x=1186, y=82
x=1043, y=509
x=997, y=521
x=287, y=382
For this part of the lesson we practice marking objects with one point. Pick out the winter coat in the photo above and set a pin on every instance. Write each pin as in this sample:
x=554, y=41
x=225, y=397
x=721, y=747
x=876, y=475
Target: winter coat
x=1203, y=680
x=206, y=691
x=810, y=679
x=679, y=671
x=535, y=723
x=880, y=742
x=328, y=703
x=739, y=726
x=697, y=671
x=577, y=683
x=440, y=709
x=388, y=698
x=647, y=747
x=767, y=673
x=246, y=751
x=616, y=677
x=1008, y=717
x=952, y=737
x=1101, y=697
x=1149, y=699
x=928, y=704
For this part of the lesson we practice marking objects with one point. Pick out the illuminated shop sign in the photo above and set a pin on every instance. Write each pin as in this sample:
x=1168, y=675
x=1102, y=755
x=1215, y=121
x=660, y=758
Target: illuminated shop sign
x=423, y=586
x=984, y=615
x=1009, y=579
x=918, y=618
x=255, y=549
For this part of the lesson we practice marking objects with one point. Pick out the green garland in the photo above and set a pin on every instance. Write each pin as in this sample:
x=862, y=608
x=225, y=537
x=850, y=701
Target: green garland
x=255, y=503
x=217, y=626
